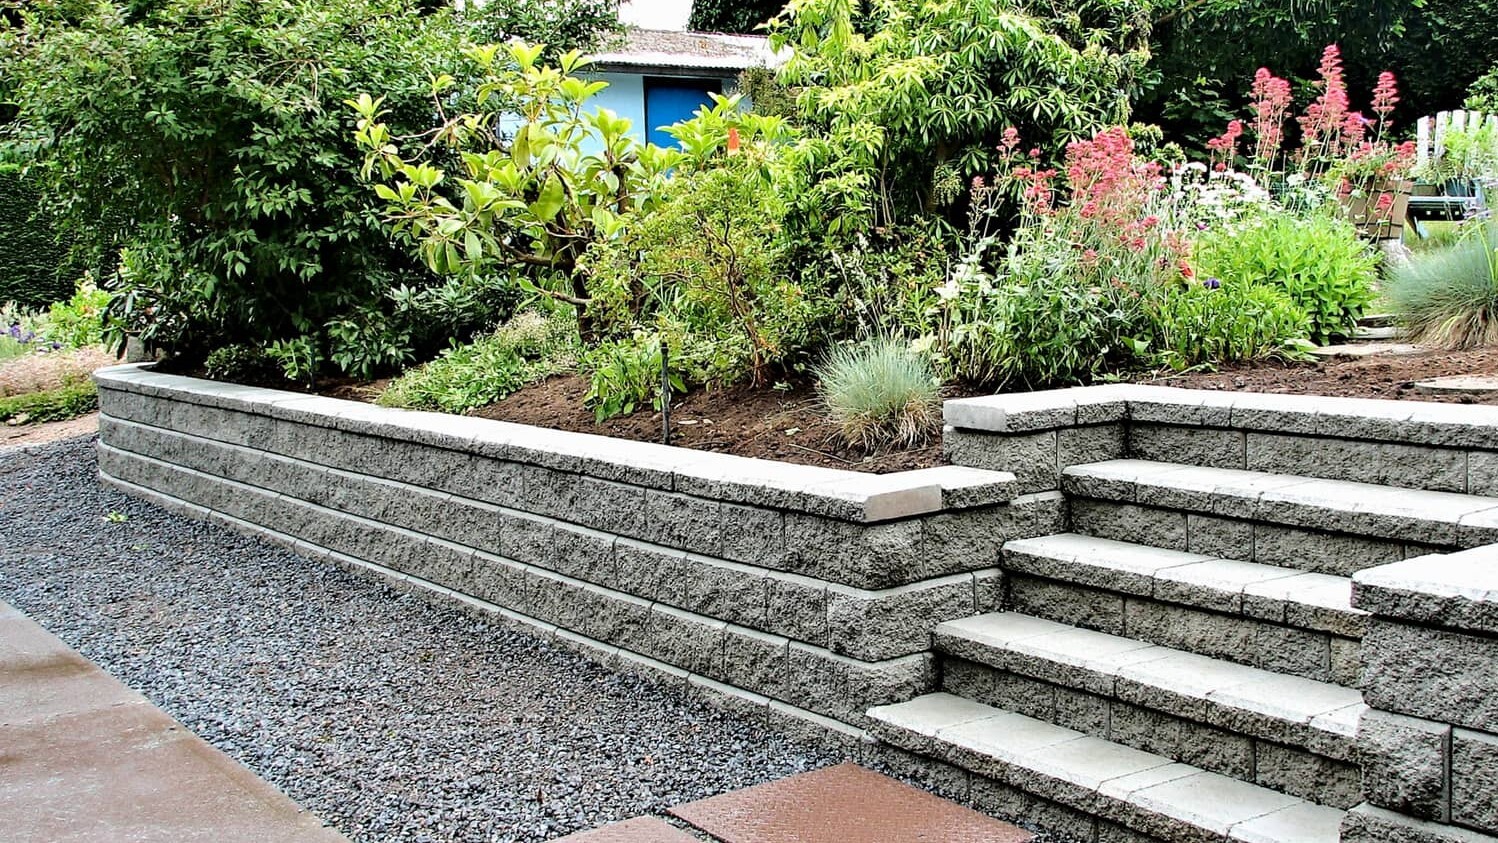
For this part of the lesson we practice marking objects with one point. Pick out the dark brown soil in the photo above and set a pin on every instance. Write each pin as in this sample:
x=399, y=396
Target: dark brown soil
x=771, y=424
x=1384, y=376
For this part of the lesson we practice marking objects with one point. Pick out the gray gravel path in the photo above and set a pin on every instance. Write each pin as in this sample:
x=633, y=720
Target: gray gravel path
x=391, y=717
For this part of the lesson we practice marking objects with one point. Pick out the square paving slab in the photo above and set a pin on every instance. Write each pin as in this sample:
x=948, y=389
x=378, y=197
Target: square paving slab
x=843, y=804
x=638, y=830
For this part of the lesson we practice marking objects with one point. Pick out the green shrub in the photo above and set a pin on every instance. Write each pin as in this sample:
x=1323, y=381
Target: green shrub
x=79, y=321
x=32, y=261
x=1206, y=324
x=880, y=393
x=526, y=349
x=1449, y=297
x=1316, y=259
x=214, y=139
x=71, y=400
x=625, y=375
x=240, y=363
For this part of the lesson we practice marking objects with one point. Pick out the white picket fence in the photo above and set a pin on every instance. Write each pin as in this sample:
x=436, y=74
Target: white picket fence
x=1430, y=132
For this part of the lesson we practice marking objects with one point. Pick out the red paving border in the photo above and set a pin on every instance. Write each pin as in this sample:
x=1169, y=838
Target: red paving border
x=84, y=758
x=843, y=804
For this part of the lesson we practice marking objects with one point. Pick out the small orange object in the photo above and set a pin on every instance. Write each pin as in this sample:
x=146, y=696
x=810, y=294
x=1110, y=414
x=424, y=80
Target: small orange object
x=733, y=139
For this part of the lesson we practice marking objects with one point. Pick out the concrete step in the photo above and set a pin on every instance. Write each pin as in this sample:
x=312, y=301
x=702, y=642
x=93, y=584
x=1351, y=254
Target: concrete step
x=1147, y=793
x=1378, y=320
x=1266, y=616
x=1292, y=734
x=1333, y=527
x=1374, y=333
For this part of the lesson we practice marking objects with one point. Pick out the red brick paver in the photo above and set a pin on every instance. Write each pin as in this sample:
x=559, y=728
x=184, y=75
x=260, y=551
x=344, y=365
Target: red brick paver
x=638, y=830
x=843, y=804
x=83, y=758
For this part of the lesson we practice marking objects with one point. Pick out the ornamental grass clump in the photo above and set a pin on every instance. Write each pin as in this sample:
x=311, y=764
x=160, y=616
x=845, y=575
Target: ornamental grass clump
x=1449, y=297
x=880, y=393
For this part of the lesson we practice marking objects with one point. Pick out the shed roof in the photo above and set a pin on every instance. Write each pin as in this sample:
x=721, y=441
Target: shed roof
x=658, y=48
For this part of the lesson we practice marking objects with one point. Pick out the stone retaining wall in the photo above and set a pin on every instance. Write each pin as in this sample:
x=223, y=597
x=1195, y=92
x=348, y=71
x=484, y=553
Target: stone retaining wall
x=1429, y=743
x=805, y=591
x=1409, y=444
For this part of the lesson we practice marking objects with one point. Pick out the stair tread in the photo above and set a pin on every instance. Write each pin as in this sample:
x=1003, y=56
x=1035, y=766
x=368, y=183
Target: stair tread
x=1127, y=785
x=1320, y=716
x=1265, y=592
x=1440, y=518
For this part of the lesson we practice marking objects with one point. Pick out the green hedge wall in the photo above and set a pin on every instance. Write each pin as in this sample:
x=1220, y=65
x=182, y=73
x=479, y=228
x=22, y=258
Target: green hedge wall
x=733, y=15
x=32, y=261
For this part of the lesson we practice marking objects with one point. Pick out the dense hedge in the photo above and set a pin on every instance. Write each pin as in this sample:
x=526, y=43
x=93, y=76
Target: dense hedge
x=732, y=15
x=31, y=260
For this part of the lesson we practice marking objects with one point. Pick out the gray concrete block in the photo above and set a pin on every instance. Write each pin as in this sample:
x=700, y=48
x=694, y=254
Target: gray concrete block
x=1474, y=780
x=648, y=571
x=1309, y=776
x=1346, y=661
x=685, y=640
x=1482, y=472
x=1321, y=553
x=1188, y=445
x=1066, y=603
x=1225, y=538
x=682, y=521
x=1080, y=445
x=1130, y=523
x=582, y=553
x=499, y=581
x=1292, y=651
x=1369, y=824
x=875, y=625
x=1404, y=760
x=863, y=556
x=1433, y=674
x=529, y=539
x=1031, y=457
x=1458, y=590
x=1016, y=804
x=796, y=607
x=751, y=535
x=757, y=661
x=724, y=590
x=1217, y=636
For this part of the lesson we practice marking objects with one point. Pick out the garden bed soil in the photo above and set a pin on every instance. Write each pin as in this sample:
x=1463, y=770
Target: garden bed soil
x=1383, y=376
x=788, y=425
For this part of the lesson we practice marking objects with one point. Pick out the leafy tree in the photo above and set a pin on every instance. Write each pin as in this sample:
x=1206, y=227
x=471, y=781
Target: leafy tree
x=910, y=98
x=210, y=139
x=522, y=184
x=745, y=16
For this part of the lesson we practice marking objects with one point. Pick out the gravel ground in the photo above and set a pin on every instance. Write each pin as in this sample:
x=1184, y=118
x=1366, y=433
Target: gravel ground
x=391, y=717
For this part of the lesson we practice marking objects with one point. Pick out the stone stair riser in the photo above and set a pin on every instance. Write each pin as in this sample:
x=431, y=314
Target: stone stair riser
x=1225, y=749
x=1316, y=551
x=1311, y=654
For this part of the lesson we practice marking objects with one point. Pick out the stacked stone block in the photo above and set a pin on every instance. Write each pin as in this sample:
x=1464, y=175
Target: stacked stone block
x=807, y=590
x=1428, y=745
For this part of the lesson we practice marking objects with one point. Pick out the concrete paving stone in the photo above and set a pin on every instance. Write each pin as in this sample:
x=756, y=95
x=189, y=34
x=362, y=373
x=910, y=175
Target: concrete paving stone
x=842, y=804
x=1216, y=584
x=88, y=759
x=1104, y=563
x=1458, y=590
x=1303, y=823
x=1211, y=801
x=638, y=830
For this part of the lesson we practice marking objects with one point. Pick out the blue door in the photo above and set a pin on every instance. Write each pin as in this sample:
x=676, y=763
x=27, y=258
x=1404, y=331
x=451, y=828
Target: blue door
x=670, y=101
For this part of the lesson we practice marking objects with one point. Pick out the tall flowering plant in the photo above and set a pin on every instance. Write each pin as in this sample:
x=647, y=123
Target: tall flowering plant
x=1345, y=153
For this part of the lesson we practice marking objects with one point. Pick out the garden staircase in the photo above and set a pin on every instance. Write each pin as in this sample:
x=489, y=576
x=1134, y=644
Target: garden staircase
x=1183, y=664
